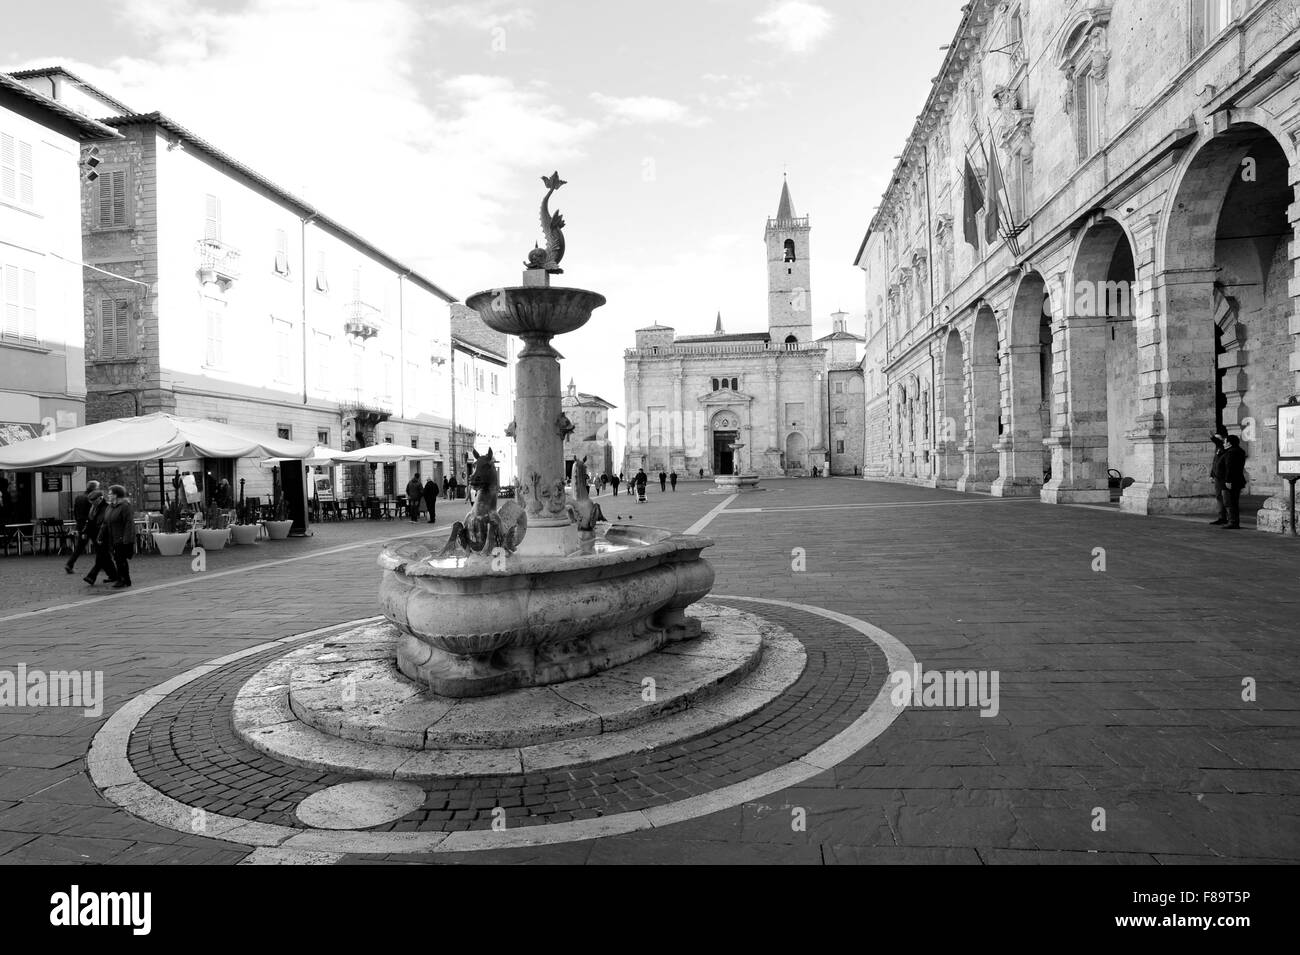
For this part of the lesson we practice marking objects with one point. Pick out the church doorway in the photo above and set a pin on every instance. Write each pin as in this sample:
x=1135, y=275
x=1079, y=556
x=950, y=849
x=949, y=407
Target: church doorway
x=796, y=450
x=723, y=455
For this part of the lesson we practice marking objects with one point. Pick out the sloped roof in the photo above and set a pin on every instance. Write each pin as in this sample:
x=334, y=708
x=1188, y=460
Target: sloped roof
x=85, y=127
x=89, y=87
x=734, y=337
x=785, y=208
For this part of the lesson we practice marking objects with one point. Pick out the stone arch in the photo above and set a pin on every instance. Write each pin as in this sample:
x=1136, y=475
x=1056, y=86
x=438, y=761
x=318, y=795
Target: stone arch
x=796, y=451
x=984, y=408
x=1029, y=386
x=1100, y=364
x=1228, y=344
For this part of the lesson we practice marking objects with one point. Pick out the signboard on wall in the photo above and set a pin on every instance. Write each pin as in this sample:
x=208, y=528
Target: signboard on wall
x=51, y=482
x=1288, y=439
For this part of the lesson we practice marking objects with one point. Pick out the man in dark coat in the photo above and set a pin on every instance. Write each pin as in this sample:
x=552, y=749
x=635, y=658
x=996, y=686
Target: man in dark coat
x=431, y=499
x=414, y=488
x=1231, y=471
x=94, y=526
x=641, y=481
x=616, y=480
x=118, y=534
x=663, y=481
x=1220, y=495
x=672, y=479
x=81, y=514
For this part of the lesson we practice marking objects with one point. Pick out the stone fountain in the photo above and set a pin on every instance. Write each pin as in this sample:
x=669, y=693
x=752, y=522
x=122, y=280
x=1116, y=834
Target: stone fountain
x=525, y=593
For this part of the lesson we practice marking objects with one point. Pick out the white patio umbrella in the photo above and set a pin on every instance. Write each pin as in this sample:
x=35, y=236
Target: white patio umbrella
x=158, y=436
x=319, y=457
x=384, y=454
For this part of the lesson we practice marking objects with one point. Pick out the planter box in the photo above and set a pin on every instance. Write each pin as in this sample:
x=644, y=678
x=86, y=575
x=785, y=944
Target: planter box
x=278, y=530
x=245, y=533
x=212, y=539
x=171, y=545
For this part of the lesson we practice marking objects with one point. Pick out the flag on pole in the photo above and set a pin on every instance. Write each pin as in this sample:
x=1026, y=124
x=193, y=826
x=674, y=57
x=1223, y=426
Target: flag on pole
x=973, y=201
x=992, y=215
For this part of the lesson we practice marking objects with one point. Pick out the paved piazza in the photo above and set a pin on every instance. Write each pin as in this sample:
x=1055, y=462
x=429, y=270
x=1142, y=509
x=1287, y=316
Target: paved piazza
x=1122, y=647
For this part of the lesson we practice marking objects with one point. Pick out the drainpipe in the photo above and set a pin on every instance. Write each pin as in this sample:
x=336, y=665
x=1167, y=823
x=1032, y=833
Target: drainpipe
x=303, y=259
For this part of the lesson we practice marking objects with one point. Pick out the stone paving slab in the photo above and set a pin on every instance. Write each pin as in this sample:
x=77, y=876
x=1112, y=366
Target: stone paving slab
x=973, y=583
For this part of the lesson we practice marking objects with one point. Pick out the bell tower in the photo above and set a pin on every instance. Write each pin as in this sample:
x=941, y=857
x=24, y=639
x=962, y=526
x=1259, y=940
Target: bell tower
x=789, y=286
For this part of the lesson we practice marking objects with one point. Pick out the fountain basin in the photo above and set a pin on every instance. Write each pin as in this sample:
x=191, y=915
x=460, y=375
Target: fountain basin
x=473, y=626
x=532, y=310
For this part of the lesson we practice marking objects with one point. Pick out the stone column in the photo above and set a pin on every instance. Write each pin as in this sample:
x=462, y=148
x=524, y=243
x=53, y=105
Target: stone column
x=1275, y=515
x=539, y=442
x=1079, y=441
x=1020, y=449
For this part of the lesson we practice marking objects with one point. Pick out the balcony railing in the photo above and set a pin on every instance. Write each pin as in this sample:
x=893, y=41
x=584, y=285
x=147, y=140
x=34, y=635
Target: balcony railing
x=218, y=262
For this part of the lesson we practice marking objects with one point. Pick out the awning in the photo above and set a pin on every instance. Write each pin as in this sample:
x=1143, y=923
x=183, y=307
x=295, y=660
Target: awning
x=12, y=432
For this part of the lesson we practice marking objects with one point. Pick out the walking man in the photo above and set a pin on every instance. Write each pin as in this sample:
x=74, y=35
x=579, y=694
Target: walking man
x=431, y=499
x=414, y=488
x=92, y=533
x=663, y=481
x=641, y=481
x=616, y=480
x=1220, y=491
x=81, y=514
x=672, y=479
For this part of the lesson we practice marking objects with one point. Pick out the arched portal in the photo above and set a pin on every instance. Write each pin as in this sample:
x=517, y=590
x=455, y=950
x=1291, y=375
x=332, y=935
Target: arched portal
x=796, y=452
x=1230, y=347
x=1025, y=460
x=950, y=437
x=985, y=409
x=1102, y=370
x=724, y=431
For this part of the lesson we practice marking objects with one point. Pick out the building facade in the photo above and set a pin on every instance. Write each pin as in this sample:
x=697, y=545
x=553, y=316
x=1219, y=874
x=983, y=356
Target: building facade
x=590, y=438
x=42, y=359
x=212, y=292
x=739, y=402
x=483, y=394
x=1086, y=259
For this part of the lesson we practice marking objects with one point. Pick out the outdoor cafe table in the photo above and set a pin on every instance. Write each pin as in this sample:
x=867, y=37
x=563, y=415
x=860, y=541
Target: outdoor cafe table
x=24, y=532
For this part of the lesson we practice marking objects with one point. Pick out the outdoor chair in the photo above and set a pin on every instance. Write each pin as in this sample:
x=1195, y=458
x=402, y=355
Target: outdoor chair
x=12, y=537
x=54, y=535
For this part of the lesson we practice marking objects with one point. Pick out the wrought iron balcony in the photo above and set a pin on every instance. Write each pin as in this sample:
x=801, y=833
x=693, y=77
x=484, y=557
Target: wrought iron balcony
x=361, y=320
x=218, y=262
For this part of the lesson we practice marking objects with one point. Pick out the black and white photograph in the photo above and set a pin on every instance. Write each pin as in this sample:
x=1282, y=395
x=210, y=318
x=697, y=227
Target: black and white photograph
x=738, y=433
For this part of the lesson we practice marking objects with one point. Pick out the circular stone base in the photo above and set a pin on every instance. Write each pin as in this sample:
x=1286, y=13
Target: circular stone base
x=340, y=705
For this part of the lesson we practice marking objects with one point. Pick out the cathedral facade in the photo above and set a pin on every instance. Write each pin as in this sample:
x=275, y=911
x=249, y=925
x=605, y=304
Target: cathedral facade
x=750, y=402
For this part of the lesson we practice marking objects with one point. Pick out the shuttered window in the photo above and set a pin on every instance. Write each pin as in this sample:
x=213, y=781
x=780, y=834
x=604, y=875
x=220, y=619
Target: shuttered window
x=281, y=251
x=19, y=298
x=112, y=198
x=114, y=328
x=212, y=220
x=16, y=174
x=282, y=332
x=322, y=280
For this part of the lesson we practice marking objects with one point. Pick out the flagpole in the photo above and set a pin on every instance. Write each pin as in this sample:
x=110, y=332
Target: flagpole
x=1010, y=231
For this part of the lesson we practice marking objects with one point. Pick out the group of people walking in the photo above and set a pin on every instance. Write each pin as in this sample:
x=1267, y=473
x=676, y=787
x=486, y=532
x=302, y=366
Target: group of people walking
x=428, y=493
x=637, y=483
x=108, y=523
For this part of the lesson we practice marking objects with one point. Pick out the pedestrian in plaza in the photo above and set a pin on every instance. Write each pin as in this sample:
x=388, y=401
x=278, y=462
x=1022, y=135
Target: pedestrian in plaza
x=94, y=526
x=663, y=481
x=1232, y=472
x=1220, y=491
x=672, y=479
x=701, y=474
x=81, y=514
x=118, y=534
x=616, y=480
x=452, y=486
x=431, y=499
x=641, y=481
x=414, y=489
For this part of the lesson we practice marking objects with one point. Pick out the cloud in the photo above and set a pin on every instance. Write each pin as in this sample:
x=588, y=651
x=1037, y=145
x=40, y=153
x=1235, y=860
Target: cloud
x=794, y=26
x=485, y=15
x=330, y=99
x=646, y=109
x=739, y=92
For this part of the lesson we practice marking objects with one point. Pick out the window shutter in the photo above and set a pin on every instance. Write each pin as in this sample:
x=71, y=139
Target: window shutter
x=122, y=309
x=28, y=329
x=25, y=177
x=107, y=328
x=12, y=314
x=8, y=167
x=281, y=251
x=212, y=224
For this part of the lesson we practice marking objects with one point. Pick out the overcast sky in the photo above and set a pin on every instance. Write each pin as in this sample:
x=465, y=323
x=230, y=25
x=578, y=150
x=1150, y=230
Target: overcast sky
x=425, y=126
